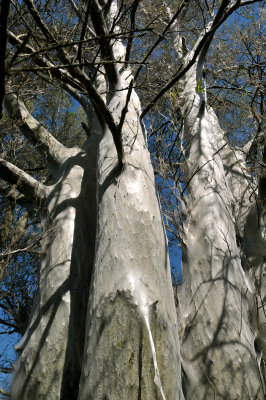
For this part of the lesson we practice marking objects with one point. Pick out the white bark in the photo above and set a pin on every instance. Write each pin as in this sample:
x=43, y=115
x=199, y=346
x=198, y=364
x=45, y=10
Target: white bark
x=37, y=134
x=51, y=350
x=131, y=345
x=23, y=182
x=131, y=326
x=131, y=271
x=104, y=323
x=217, y=298
x=218, y=352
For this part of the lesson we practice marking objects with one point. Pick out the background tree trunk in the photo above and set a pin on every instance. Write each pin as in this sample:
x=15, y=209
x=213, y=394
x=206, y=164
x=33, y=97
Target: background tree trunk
x=218, y=354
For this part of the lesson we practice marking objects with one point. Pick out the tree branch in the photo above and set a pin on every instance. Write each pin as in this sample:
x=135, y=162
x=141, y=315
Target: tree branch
x=178, y=40
x=62, y=54
x=4, y=393
x=106, y=49
x=60, y=74
x=158, y=41
x=83, y=31
x=4, y=10
x=202, y=44
x=132, y=28
x=25, y=183
x=75, y=8
x=78, y=80
x=36, y=16
x=217, y=18
x=35, y=132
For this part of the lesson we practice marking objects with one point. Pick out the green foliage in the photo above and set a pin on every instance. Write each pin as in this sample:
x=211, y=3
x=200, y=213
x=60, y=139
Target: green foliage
x=61, y=116
x=200, y=86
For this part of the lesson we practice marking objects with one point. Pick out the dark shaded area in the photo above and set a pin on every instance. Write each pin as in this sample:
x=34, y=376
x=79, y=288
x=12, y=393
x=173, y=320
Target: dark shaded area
x=80, y=273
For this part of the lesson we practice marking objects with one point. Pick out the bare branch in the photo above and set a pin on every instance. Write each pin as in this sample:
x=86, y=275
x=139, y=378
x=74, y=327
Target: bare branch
x=4, y=10
x=178, y=40
x=60, y=74
x=83, y=31
x=161, y=37
x=83, y=83
x=106, y=50
x=75, y=8
x=4, y=393
x=25, y=183
x=245, y=3
x=34, y=131
x=44, y=50
x=217, y=18
x=132, y=27
x=62, y=54
x=198, y=53
x=67, y=66
x=34, y=12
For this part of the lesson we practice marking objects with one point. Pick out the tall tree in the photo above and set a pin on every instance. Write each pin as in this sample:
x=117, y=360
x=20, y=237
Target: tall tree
x=104, y=316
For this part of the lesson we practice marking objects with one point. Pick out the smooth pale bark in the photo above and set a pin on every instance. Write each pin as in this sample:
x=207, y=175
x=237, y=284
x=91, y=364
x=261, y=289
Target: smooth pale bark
x=23, y=181
x=248, y=207
x=132, y=347
x=51, y=350
x=218, y=354
x=35, y=132
x=131, y=276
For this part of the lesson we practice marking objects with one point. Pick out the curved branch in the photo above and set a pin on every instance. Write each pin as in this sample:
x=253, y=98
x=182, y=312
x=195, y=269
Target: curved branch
x=25, y=183
x=132, y=28
x=76, y=79
x=60, y=74
x=35, y=132
x=4, y=393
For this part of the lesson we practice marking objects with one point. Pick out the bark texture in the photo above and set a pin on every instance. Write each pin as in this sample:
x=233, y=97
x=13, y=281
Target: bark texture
x=218, y=344
x=131, y=278
x=107, y=242
x=104, y=324
x=131, y=326
x=52, y=348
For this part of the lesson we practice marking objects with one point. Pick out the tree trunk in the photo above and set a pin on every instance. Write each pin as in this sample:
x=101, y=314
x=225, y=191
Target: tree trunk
x=218, y=353
x=52, y=348
x=132, y=348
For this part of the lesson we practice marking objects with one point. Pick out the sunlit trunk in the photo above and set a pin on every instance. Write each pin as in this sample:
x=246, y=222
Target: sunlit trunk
x=131, y=306
x=52, y=348
x=218, y=353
